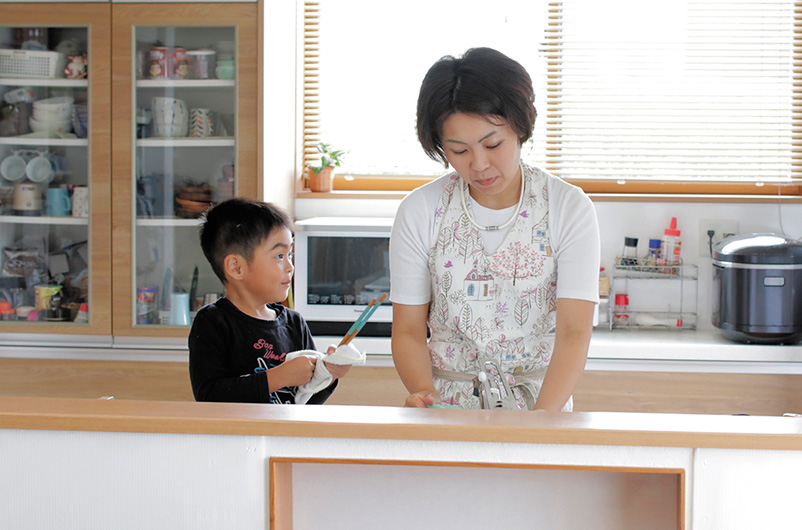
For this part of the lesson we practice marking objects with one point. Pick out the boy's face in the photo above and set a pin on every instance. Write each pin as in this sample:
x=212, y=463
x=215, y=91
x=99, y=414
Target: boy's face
x=269, y=273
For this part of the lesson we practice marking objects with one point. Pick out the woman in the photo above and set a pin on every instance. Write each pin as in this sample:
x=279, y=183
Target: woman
x=498, y=259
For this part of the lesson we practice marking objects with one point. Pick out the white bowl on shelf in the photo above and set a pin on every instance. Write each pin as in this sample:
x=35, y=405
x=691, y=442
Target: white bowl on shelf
x=58, y=108
x=53, y=126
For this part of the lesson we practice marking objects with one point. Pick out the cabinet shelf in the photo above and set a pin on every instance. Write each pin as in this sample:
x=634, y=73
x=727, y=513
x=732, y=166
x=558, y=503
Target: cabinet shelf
x=185, y=83
x=44, y=220
x=167, y=222
x=214, y=141
x=34, y=81
x=55, y=142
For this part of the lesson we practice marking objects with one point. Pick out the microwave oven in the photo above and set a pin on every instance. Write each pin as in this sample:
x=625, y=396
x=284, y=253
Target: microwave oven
x=341, y=263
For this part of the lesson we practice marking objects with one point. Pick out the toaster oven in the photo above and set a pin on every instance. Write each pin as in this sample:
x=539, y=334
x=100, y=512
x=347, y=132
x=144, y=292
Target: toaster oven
x=340, y=265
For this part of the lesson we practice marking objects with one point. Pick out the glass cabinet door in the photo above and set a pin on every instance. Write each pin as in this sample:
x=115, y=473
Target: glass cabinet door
x=189, y=97
x=54, y=169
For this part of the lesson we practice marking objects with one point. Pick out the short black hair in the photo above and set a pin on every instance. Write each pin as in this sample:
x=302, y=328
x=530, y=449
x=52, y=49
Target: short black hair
x=483, y=82
x=238, y=226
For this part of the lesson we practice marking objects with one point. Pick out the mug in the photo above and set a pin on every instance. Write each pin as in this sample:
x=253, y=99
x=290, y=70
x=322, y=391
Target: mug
x=179, y=309
x=58, y=202
x=13, y=167
x=80, y=201
x=200, y=123
x=39, y=169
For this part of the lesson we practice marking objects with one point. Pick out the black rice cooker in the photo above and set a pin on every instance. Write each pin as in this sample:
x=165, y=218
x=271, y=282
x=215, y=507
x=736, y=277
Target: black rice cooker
x=757, y=288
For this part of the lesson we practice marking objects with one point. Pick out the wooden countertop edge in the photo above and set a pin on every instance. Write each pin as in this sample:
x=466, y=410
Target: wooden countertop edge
x=395, y=423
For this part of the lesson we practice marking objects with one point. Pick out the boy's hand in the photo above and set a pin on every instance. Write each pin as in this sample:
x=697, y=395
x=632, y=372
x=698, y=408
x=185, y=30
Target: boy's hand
x=337, y=371
x=295, y=372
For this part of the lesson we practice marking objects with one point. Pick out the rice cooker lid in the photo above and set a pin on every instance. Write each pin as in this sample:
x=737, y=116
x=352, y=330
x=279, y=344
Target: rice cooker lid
x=758, y=249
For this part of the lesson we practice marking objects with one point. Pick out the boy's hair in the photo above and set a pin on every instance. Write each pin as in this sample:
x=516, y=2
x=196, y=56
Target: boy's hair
x=238, y=226
x=483, y=82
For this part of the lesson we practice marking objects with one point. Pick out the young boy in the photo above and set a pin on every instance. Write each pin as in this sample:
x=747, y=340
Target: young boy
x=238, y=344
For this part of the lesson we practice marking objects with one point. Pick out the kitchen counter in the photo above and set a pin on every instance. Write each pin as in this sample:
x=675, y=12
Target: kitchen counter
x=179, y=464
x=644, y=350
x=624, y=350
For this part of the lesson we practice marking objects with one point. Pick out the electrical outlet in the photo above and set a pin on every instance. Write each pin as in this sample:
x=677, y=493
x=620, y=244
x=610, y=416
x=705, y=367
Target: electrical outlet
x=722, y=228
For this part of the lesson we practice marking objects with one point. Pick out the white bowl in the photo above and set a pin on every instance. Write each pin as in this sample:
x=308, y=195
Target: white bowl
x=54, y=114
x=50, y=126
x=54, y=103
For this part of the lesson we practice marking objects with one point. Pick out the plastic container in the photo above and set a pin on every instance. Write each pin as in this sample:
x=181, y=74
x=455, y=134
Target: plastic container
x=202, y=63
x=621, y=305
x=7, y=312
x=670, y=247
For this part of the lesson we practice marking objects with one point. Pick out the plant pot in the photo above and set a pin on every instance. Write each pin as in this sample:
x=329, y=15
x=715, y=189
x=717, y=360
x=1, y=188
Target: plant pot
x=322, y=182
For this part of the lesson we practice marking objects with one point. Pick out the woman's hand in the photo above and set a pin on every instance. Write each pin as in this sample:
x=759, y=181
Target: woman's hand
x=337, y=371
x=295, y=372
x=422, y=399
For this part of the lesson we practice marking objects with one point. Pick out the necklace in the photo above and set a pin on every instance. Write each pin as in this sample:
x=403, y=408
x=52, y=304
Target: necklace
x=491, y=228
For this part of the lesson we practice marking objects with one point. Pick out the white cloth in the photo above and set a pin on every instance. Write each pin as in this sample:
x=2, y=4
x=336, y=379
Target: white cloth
x=572, y=230
x=322, y=378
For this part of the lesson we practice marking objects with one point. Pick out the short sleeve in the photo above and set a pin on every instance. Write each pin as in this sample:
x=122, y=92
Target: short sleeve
x=410, y=243
x=575, y=241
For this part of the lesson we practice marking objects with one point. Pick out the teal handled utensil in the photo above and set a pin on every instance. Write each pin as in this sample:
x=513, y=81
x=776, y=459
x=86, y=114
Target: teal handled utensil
x=363, y=319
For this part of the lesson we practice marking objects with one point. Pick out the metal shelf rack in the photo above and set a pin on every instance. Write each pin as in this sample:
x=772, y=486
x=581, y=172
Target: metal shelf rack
x=661, y=297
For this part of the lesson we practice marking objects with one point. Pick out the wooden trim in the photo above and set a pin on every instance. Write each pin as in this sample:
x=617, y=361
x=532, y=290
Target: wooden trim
x=393, y=423
x=281, y=486
x=384, y=183
x=280, y=473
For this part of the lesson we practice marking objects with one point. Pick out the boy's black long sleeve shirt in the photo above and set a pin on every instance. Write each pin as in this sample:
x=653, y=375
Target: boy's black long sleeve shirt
x=225, y=346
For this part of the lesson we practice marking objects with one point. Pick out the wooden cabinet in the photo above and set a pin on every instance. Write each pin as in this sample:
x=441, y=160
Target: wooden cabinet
x=55, y=260
x=163, y=175
x=150, y=170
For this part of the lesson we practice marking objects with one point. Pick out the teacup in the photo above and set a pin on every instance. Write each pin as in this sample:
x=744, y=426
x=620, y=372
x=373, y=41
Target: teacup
x=13, y=167
x=39, y=168
x=58, y=202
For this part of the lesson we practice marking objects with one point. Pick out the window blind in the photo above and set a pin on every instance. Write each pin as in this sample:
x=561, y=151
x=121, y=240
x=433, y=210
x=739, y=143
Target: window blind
x=672, y=91
x=311, y=77
x=636, y=91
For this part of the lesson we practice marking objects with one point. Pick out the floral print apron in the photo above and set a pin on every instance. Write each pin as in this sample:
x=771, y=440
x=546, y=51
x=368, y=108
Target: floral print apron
x=499, y=306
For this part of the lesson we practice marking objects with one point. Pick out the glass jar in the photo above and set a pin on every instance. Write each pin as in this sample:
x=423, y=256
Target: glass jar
x=201, y=63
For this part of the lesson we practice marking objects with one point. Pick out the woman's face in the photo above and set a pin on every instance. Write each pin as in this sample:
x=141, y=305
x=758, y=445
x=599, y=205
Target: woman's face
x=486, y=153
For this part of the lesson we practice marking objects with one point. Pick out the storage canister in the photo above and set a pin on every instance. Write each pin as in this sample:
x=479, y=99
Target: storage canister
x=202, y=63
x=757, y=288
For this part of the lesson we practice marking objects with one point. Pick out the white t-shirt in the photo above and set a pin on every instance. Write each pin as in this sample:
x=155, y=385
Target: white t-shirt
x=573, y=234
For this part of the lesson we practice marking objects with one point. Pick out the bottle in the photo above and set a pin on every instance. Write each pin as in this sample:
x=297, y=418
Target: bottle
x=620, y=311
x=653, y=258
x=670, y=248
x=629, y=257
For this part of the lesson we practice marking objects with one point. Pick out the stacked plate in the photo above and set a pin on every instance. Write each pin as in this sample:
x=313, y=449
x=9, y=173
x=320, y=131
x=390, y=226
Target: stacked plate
x=53, y=115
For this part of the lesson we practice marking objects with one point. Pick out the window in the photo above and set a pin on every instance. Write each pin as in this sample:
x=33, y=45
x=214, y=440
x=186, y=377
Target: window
x=631, y=95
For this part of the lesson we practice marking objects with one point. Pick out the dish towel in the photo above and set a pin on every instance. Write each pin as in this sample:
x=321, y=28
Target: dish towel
x=322, y=378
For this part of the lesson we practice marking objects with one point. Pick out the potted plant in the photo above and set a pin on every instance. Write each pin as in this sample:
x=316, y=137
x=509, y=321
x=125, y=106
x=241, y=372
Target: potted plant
x=321, y=177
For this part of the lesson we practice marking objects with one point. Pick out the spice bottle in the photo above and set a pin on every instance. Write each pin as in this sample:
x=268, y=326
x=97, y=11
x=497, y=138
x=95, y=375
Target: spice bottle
x=653, y=259
x=629, y=257
x=670, y=247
